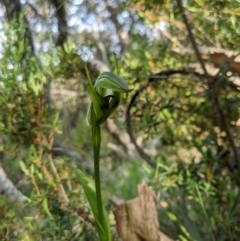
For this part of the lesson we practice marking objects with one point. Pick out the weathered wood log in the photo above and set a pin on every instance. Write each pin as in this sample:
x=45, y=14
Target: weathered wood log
x=137, y=219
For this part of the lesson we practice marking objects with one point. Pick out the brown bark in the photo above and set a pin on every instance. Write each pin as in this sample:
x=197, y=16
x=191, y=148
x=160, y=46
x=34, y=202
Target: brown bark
x=61, y=16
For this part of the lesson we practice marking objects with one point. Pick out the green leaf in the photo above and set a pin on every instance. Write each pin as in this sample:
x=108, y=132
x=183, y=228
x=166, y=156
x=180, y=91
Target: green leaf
x=23, y=167
x=103, y=227
x=45, y=207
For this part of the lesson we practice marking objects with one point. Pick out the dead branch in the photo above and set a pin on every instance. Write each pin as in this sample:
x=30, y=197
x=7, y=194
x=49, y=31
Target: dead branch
x=59, y=149
x=7, y=187
x=122, y=138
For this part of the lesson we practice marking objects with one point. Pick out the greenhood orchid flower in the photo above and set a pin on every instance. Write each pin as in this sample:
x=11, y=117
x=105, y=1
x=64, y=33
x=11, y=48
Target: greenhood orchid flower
x=104, y=103
x=106, y=95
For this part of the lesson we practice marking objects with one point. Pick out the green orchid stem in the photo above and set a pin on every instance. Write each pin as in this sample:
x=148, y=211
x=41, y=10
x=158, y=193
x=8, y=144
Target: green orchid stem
x=96, y=142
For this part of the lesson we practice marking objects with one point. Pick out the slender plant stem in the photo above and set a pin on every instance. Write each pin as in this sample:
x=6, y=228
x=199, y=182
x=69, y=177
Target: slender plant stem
x=96, y=141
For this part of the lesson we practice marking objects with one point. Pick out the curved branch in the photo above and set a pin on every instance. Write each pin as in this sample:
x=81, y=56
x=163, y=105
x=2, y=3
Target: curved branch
x=145, y=156
x=163, y=75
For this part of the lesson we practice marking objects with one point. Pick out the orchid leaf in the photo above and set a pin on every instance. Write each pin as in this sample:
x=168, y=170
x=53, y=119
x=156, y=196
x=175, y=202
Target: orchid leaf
x=103, y=226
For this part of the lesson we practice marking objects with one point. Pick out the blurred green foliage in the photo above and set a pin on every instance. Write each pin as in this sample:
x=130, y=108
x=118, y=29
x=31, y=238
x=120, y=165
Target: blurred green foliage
x=197, y=187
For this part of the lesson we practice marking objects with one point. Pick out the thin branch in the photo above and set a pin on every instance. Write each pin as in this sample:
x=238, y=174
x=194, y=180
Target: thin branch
x=192, y=39
x=122, y=138
x=54, y=170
